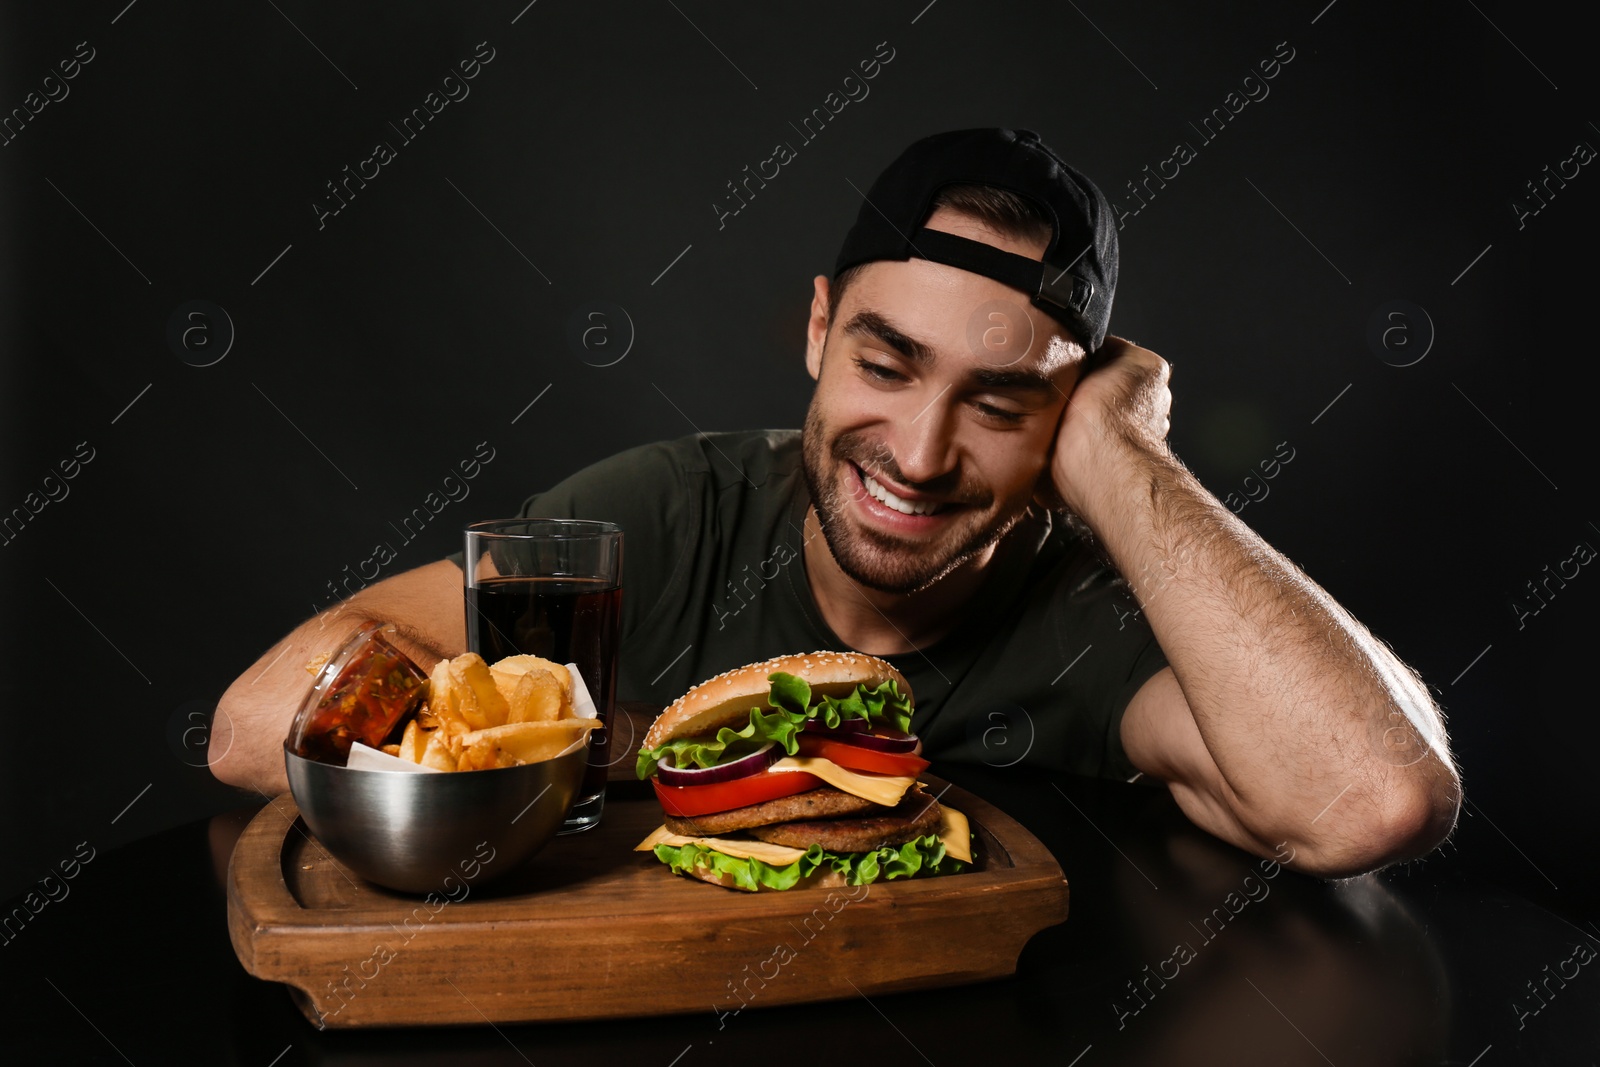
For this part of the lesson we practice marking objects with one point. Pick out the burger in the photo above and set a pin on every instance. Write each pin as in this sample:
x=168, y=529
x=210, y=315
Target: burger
x=799, y=771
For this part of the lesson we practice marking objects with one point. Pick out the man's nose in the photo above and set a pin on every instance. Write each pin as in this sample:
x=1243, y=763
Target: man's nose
x=927, y=447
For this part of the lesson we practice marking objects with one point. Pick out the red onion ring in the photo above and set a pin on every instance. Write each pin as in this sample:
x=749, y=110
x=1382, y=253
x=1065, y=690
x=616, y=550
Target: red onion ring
x=743, y=767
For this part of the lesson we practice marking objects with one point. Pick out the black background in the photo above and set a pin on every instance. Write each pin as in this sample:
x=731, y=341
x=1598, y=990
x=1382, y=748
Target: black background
x=378, y=351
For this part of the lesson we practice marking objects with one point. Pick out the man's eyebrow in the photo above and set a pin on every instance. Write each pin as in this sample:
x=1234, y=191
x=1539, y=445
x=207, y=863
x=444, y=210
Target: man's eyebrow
x=1022, y=380
x=874, y=327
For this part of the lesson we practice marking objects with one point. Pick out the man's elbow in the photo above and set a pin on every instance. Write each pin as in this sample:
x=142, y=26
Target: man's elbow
x=1409, y=821
x=230, y=760
x=225, y=765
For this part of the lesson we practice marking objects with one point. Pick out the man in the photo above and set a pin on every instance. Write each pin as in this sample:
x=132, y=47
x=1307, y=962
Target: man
x=976, y=447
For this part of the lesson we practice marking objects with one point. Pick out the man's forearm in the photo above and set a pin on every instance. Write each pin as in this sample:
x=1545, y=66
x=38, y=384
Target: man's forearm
x=260, y=703
x=253, y=716
x=1296, y=702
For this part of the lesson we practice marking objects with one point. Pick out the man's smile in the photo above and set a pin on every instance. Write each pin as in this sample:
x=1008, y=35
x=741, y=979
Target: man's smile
x=884, y=503
x=906, y=501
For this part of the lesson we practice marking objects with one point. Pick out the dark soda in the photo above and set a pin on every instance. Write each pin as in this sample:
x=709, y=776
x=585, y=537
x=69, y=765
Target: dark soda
x=568, y=620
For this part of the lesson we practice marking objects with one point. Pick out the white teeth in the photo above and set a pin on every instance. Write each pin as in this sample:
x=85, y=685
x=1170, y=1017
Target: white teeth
x=888, y=499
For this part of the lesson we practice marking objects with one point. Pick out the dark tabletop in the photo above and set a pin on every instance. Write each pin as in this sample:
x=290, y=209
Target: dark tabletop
x=1179, y=949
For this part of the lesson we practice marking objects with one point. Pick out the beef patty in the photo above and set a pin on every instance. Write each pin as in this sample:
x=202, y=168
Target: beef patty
x=915, y=816
x=824, y=802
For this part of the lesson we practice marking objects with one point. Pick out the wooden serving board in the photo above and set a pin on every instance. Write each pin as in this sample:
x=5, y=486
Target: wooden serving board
x=590, y=929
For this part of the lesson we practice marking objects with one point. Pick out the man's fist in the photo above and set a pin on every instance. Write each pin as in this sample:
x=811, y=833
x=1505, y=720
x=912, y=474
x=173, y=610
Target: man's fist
x=1121, y=407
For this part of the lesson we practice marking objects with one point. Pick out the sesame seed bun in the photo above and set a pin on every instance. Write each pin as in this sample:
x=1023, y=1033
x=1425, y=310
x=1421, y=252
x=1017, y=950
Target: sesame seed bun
x=726, y=700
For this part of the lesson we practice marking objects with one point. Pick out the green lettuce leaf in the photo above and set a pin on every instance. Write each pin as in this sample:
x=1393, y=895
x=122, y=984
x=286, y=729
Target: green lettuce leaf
x=779, y=726
x=789, y=699
x=925, y=855
x=884, y=706
x=789, y=692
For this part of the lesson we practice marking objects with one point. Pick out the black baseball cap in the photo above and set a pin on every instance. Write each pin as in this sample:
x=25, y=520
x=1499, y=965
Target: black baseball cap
x=1077, y=278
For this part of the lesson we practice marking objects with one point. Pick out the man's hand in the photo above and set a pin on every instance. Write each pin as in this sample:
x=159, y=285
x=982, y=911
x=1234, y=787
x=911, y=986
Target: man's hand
x=1123, y=403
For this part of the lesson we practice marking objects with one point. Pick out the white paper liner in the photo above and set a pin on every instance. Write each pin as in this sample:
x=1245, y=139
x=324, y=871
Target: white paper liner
x=366, y=758
x=582, y=705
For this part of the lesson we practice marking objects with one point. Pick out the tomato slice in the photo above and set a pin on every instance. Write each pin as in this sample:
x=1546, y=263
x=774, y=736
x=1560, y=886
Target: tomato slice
x=687, y=800
x=856, y=758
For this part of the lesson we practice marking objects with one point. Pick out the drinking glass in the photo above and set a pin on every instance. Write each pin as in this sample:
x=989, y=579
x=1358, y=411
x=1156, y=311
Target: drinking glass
x=552, y=588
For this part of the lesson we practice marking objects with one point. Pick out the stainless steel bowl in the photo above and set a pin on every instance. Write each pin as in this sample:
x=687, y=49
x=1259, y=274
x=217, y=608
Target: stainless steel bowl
x=412, y=831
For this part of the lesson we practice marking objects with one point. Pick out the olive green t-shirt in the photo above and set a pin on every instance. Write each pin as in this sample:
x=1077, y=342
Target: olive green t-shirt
x=1038, y=672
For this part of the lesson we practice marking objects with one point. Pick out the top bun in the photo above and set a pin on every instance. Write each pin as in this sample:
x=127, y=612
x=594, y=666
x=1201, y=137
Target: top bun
x=726, y=700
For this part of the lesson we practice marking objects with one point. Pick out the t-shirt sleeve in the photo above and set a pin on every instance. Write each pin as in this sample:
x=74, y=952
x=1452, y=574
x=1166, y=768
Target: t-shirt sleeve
x=646, y=492
x=1149, y=662
x=1049, y=680
x=1119, y=655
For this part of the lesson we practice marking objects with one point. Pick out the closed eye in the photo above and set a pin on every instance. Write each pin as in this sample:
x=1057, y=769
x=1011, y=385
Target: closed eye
x=877, y=371
x=995, y=415
x=1002, y=416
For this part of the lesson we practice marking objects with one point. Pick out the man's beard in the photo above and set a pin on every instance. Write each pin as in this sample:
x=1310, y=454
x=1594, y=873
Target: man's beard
x=871, y=557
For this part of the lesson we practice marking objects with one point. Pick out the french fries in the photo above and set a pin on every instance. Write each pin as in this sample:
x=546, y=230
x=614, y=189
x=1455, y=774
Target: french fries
x=479, y=717
x=537, y=697
x=514, y=667
x=437, y=753
x=531, y=742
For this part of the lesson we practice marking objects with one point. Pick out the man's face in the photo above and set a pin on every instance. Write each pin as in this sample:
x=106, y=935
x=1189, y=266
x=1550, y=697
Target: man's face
x=938, y=396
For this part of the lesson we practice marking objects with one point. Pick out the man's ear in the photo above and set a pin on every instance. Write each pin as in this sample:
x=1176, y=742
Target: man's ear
x=817, y=325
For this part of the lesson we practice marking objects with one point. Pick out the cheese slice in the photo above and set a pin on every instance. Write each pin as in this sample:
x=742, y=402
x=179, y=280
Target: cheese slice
x=954, y=831
x=956, y=834
x=882, y=789
x=766, y=852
